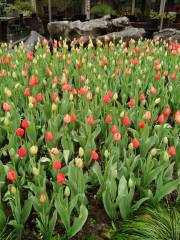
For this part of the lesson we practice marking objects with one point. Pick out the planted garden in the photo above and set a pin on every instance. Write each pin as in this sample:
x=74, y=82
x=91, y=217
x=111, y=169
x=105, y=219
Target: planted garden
x=86, y=130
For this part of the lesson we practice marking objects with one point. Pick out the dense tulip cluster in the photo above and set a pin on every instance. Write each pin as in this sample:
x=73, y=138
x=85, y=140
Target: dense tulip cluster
x=107, y=115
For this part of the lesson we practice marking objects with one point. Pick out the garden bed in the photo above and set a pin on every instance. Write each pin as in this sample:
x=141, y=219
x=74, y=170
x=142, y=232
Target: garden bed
x=88, y=135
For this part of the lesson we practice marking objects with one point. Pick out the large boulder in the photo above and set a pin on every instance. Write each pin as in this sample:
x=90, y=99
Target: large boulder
x=126, y=34
x=167, y=33
x=32, y=40
x=92, y=28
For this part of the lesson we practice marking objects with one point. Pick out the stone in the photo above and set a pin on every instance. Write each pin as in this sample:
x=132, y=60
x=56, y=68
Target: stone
x=126, y=34
x=91, y=28
x=167, y=33
x=32, y=40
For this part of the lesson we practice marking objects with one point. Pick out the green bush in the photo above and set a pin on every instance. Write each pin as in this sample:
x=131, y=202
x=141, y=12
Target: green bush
x=102, y=10
x=4, y=8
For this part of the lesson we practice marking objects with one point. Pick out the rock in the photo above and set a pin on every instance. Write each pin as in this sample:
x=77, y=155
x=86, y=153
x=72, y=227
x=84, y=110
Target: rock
x=32, y=40
x=167, y=33
x=120, y=22
x=126, y=34
x=91, y=28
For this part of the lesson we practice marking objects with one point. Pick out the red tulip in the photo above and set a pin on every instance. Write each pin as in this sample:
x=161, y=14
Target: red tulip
x=114, y=129
x=22, y=152
x=167, y=111
x=90, y=120
x=131, y=103
x=57, y=164
x=60, y=178
x=94, y=155
x=160, y=119
x=6, y=107
x=25, y=123
x=108, y=119
x=27, y=92
x=73, y=118
x=126, y=121
x=11, y=175
x=67, y=119
x=20, y=132
x=39, y=97
x=117, y=137
x=49, y=136
x=172, y=151
x=135, y=143
x=177, y=117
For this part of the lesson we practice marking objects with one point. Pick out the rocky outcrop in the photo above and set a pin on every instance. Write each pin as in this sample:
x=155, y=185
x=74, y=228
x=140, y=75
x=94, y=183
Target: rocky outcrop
x=32, y=40
x=92, y=28
x=167, y=33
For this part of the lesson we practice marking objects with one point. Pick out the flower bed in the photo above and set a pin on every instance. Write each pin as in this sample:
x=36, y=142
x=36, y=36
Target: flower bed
x=72, y=122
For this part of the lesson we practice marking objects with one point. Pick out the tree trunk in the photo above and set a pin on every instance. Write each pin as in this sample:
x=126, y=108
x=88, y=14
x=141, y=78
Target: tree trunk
x=86, y=7
x=34, y=7
x=133, y=7
x=147, y=7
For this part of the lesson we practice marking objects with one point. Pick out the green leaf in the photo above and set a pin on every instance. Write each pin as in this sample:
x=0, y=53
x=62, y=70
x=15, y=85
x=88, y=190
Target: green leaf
x=2, y=176
x=63, y=213
x=152, y=175
x=78, y=222
x=137, y=205
x=2, y=219
x=52, y=223
x=166, y=189
x=123, y=200
x=26, y=210
x=97, y=170
x=66, y=156
x=108, y=204
x=147, y=145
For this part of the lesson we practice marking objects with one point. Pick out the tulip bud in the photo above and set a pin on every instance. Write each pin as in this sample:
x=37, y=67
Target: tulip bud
x=67, y=192
x=139, y=83
x=30, y=105
x=7, y=92
x=79, y=162
x=35, y=171
x=14, y=75
x=170, y=88
x=130, y=183
x=165, y=156
x=97, y=90
x=106, y=153
x=153, y=152
x=115, y=97
x=157, y=100
x=71, y=97
x=54, y=107
x=42, y=197
x=34, y=150
x=44, y=82
x=81, y=152
x=122, y=114
x=165, y=140
x=6, y=121
x=130, y=146
x=12, y=152
x=13, y=189
x=150, y=194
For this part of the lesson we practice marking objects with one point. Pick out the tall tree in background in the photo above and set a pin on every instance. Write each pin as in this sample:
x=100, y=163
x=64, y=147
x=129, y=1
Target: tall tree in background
x=146, y=7
x=133, y=7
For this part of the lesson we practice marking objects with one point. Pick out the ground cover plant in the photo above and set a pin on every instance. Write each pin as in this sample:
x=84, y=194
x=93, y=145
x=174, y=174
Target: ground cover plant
x=82, y=125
